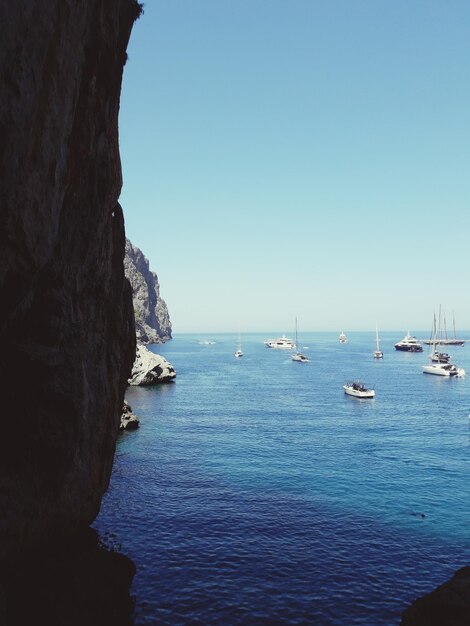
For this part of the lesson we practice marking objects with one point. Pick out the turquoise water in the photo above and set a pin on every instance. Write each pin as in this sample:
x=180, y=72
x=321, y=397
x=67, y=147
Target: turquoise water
x=257, y=492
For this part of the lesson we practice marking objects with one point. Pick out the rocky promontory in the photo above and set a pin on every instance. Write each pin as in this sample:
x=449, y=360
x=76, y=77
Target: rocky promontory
x=150, y=368
x=152, y=322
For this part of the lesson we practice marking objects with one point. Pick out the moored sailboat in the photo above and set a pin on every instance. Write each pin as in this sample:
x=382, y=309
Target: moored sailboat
x=439, y=362
x=298, y=356
x=378, y=354
x=239, y=352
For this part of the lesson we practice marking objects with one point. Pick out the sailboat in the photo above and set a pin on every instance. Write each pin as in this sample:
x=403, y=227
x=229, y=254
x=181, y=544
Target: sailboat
x=378, y=354
x=239, y=351
x=439, y=362
x=342, y=337
x=444, y=340
x=298, y=356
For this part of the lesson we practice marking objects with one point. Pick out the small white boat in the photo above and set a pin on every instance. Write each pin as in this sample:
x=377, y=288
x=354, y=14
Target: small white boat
x=298, y=356
x=283, y=343
x=378, y=354
x=358, y=390
x=342, y=337
x=409, y=344
x=239, y=352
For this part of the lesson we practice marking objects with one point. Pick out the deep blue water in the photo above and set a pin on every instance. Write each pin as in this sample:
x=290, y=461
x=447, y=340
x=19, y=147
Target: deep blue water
x=256, y=492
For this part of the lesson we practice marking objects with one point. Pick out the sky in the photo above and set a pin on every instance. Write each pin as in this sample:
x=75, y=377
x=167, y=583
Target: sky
x=301, y=158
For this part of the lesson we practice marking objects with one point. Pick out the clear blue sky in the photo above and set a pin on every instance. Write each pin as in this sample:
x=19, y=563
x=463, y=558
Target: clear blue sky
x=303, y=158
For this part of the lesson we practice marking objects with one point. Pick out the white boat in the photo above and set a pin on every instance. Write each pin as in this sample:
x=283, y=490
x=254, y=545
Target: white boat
x=238, y=352
x=282, y=343
x=358, y=390
x=439, y=362
x=298, y=356
x=409, y=344
x=342, y=337
x=378, y=354
x=443, y=369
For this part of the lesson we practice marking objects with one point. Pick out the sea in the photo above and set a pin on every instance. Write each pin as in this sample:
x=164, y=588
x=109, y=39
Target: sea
x=256, y=492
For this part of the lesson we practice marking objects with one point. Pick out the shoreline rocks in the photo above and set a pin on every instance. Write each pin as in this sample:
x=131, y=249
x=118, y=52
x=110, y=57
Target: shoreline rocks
x=129, y=421
x=150, y=369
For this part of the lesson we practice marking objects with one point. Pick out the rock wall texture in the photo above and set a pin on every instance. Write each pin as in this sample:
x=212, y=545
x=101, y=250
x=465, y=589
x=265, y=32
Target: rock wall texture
x=152, y=322
x=66, y=317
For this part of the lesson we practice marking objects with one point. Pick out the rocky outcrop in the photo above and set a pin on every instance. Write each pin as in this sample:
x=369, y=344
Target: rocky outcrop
x=66, y=316
x=150, y=369
x=152, y=322
x=129, y=421
x=448, y=605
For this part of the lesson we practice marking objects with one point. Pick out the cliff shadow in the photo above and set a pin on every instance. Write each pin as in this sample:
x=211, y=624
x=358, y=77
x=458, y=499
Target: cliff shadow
x=68, y=584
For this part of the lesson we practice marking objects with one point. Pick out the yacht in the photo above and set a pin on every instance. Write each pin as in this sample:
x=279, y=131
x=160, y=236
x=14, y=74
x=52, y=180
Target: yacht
x=283, y=343
x=342, y=338
x=358, y=390
x=409, y=344
x=443, y=369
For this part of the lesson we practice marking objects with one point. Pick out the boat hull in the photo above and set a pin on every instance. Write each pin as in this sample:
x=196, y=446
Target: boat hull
x=438, y=371
x=444, y=369
x=408, y=348
x=358, y=393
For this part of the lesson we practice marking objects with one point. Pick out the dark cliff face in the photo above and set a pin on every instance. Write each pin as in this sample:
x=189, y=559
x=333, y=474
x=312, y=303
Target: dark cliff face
x=152, y=321
x=66, y=318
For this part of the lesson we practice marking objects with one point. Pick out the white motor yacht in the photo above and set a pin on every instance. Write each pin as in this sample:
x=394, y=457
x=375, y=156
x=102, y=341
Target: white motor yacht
x=409, y=344
x=283, y=343
x=342, y=338
x=358, y=390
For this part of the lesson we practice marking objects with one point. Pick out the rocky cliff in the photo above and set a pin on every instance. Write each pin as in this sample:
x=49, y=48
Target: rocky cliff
x=66, y=318
x=152, y=322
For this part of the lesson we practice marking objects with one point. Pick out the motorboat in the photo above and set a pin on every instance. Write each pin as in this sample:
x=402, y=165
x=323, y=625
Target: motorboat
x=409, y=344
x=282, y=343
x=358, y=390
x=440, y=357
x=342, y=337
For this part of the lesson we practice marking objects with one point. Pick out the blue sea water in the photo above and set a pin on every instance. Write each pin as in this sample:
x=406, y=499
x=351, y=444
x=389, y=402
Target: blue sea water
x=256, y=492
